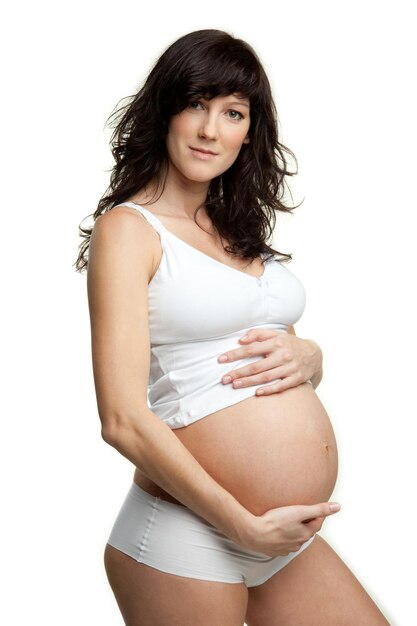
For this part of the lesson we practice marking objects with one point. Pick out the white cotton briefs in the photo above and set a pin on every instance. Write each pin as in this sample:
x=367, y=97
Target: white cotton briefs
x=198, y=309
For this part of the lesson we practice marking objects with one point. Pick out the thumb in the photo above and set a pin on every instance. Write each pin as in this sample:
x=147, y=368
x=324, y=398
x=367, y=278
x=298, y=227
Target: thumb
x=323, y=509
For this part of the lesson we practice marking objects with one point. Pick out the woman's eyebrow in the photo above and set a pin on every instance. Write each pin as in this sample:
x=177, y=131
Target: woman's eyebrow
x=241, y=103
x=244, y=104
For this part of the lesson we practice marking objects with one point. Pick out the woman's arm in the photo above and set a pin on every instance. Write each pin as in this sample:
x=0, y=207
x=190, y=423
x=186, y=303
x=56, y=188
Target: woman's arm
x=121, y=261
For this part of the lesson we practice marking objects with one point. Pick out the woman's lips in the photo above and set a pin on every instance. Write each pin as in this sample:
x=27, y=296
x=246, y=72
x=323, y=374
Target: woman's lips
x=205, y=156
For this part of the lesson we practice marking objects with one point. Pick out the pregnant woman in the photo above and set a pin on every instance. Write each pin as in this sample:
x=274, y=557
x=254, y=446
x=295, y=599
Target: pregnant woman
x=231, y=485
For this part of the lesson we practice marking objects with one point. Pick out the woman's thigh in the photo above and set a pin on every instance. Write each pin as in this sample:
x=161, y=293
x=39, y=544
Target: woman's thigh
x=314, y=589
x=147, y=596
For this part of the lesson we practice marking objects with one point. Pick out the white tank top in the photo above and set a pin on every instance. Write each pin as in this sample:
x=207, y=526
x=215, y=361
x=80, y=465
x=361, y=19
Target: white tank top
x=198, y=309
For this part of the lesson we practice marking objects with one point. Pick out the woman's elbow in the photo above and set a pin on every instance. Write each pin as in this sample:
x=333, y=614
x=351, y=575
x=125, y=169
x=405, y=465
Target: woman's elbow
x=108, y=432
x=115, y=427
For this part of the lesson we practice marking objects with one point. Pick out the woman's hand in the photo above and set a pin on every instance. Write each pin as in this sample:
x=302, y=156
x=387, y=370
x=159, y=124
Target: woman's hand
x=287, y=356
x=283, y=530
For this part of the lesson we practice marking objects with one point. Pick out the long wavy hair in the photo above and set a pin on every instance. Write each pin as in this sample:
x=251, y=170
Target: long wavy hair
x=243, y=201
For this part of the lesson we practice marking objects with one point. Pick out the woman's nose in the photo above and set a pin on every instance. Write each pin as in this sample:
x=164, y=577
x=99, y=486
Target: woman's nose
x=209, y=128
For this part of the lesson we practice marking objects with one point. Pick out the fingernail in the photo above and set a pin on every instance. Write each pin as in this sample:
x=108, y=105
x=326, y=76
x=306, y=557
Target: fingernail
x=222, y=358
x=334, y=506
x=226, y=379
x=245, y=337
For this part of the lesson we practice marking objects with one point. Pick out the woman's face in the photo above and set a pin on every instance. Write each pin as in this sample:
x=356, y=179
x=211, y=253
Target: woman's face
x=219, y=125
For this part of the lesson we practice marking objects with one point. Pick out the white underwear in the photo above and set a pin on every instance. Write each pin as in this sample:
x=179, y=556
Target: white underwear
x=173, y=539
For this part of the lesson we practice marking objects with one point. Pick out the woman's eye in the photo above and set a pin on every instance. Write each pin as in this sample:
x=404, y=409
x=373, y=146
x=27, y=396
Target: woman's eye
x=236, y=118
x=191, y=104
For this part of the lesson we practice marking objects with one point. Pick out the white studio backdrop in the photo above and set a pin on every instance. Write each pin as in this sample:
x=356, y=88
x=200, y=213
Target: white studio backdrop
x=342, y=77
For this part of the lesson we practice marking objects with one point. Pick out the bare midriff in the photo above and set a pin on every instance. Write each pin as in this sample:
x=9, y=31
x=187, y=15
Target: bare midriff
x=267, y=451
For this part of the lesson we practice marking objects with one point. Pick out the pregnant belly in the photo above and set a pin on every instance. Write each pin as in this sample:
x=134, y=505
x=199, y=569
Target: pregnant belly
x=267, y=451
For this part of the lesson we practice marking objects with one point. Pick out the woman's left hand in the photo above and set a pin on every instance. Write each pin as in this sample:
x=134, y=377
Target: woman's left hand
x=287, y=356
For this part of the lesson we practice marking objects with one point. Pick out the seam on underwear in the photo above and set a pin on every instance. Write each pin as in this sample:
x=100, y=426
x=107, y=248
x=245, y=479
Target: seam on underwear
x=144, y=543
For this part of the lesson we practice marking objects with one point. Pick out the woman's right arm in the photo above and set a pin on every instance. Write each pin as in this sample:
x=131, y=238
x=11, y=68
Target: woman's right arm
x=121, y=262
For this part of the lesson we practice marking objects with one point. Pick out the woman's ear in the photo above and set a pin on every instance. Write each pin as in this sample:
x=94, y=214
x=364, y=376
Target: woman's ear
x=246, y=139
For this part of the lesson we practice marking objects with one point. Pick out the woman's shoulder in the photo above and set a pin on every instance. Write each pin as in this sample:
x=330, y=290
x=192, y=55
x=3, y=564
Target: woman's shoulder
x=122, y=231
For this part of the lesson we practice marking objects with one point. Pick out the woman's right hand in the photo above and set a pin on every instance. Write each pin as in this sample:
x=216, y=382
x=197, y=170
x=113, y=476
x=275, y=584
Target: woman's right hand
x=283, y=530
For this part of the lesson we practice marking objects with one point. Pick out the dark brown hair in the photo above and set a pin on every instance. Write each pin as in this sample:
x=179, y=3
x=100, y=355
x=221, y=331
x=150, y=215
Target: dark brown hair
x=242, y=201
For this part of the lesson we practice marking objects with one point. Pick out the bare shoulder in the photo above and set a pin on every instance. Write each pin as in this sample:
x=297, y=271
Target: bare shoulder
x=123, y=236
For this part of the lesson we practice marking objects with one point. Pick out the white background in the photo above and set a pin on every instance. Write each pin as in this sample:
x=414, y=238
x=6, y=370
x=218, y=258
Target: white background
x=343, y=77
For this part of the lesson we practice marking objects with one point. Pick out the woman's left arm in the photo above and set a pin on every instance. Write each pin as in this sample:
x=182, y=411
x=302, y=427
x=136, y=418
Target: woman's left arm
x=286, y=356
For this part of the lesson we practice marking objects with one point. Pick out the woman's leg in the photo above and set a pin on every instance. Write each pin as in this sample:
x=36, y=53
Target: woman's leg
x=314, y=589
x=147, y=596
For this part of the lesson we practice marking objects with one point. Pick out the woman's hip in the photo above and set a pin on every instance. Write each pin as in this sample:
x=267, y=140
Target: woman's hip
x=174, y=539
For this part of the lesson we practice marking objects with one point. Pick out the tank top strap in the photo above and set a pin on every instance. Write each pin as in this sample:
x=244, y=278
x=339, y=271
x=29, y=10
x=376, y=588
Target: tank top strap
x=148, y=215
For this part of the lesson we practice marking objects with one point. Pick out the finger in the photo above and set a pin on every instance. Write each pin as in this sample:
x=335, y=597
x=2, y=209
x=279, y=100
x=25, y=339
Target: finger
x=269, y=390
x=266, y=370
x=285, y=383
x=255, y=348
x=312, y=511
x=260, y=371
x=277, y=338
x=260, y=366
x=259, y=334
